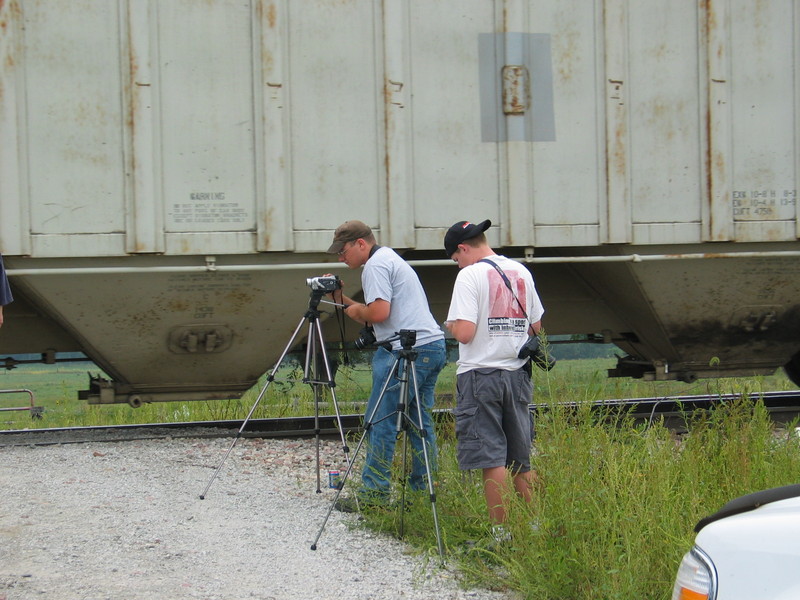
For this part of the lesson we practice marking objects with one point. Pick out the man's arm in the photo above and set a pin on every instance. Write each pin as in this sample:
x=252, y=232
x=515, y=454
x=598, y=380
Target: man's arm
x=374, y=312
x=462, y=330
x=535, y=328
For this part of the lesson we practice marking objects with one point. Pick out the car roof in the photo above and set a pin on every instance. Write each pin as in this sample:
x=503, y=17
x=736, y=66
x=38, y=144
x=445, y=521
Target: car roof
x=750, y=502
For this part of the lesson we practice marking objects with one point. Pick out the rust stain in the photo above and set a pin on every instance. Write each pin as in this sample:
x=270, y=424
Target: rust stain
x=566, y=51
x=178, y=305
x=719, y=161
x=620, y=134
x=9, y=14
x=618, y=158
x=133, y=67
x=272, y=16
x=267, y=226
x=238, y=300
x=711, y=15
x=389, y=127
x=267, y=61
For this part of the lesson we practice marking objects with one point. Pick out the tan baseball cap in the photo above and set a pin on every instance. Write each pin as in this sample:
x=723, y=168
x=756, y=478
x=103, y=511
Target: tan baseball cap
x=349, y=231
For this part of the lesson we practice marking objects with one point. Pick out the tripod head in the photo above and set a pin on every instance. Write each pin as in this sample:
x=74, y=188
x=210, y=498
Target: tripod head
x=407, y=337
x=314, y=299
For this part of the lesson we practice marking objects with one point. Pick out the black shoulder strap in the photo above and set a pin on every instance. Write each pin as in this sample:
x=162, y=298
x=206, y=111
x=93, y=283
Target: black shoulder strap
x=508, y=284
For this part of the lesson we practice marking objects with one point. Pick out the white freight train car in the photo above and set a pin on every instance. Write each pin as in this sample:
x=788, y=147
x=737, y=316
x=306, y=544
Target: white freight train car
x=171, y=172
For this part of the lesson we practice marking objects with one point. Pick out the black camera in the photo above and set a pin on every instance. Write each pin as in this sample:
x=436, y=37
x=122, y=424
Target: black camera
x=366, y=337
x=329, y=283
x=532, y=349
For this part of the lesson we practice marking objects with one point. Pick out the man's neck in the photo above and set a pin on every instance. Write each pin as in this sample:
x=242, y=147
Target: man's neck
x=484, y=252
x=479, y=253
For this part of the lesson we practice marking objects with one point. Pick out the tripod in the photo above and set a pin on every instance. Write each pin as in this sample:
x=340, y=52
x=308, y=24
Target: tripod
x=404, y=369
x=314, y=340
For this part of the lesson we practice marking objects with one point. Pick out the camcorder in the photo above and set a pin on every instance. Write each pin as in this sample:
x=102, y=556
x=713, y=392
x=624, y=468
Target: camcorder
x=532, y=349
x=326, y=283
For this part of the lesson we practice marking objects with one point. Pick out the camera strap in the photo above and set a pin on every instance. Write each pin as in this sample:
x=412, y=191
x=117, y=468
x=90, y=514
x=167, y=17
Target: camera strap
x=508, y=285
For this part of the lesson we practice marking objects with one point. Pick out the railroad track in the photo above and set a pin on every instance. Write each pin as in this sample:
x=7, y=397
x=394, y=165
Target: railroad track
x=783, y=406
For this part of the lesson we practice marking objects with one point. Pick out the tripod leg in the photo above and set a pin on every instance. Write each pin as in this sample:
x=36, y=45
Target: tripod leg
x=339, y=489
x=402, y=427
x=403, y=483
x=331, y=385
x=424, y=436
x=309, y=376
x=368, y=423
x=270, y=379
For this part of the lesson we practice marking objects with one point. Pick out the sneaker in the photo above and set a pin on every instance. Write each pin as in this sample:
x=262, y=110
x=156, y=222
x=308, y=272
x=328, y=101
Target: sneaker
x=346, y=505
x=352, y=504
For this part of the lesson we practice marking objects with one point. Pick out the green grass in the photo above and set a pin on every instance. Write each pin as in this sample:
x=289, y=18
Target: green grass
x=616, y=501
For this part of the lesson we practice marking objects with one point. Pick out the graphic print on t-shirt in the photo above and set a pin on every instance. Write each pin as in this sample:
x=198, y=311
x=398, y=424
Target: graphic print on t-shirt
x=506, y=317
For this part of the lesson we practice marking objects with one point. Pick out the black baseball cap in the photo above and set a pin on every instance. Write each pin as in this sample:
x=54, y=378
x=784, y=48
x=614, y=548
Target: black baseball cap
x=461, y=231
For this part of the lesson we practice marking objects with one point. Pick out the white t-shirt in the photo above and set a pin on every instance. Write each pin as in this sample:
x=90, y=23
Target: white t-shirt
x=387, y=276
x=481, y=296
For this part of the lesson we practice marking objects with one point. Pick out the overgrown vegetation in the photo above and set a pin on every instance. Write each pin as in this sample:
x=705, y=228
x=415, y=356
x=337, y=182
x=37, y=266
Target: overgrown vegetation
x=616, y=501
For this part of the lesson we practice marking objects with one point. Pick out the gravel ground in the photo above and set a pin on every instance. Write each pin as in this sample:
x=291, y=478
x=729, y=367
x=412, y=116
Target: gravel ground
x=124, y=519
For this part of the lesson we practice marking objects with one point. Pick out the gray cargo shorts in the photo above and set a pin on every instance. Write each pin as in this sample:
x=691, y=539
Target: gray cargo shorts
x=494, y=426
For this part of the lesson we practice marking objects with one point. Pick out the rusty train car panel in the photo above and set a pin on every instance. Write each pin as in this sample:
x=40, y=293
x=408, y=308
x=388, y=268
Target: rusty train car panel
x=171, y=172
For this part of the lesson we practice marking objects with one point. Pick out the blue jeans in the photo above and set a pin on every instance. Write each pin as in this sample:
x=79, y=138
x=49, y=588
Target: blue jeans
x=375, y=477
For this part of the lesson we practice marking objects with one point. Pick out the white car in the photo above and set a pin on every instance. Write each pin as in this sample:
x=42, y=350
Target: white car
x=748, y=550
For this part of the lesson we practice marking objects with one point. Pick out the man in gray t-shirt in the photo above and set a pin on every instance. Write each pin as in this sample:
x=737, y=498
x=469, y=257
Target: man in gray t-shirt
x=394, y=299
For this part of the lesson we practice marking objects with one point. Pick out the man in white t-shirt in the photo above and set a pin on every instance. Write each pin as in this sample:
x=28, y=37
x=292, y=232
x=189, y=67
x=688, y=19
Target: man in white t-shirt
x=493, y=310
x=394, y=300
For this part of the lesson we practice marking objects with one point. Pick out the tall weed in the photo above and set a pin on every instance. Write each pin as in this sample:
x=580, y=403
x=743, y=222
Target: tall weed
x=616, y=501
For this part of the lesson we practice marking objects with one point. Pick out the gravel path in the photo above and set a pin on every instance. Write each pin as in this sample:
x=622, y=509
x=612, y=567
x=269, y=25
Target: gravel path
x=123, y=519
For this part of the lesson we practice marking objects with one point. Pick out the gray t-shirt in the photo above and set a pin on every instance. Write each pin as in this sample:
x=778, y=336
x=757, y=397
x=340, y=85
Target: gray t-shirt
x=387, y=276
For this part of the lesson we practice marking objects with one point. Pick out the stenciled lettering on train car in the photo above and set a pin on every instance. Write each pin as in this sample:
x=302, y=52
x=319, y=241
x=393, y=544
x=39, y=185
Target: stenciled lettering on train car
x=764, y=204
x=208, y=207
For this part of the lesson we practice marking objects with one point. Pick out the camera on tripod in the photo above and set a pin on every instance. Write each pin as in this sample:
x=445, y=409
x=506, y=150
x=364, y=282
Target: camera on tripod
x=532, y=349
x=324, y=283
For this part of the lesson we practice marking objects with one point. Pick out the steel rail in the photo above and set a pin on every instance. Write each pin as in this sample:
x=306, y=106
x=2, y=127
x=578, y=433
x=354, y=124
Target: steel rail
x=784, y=402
